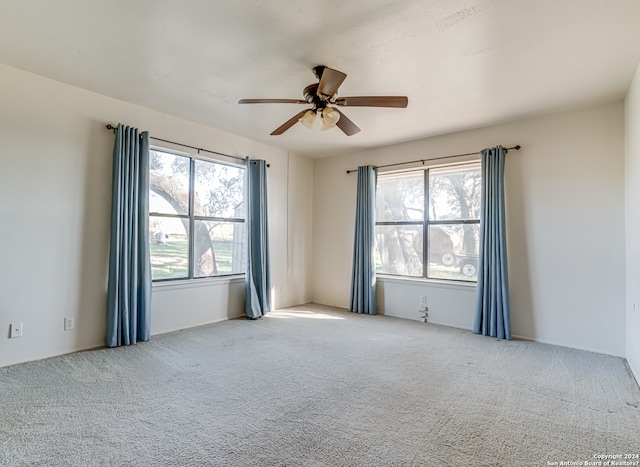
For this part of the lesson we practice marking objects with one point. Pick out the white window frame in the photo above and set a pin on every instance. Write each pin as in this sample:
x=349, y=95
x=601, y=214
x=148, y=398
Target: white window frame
x=426, y=222
x=191, y=218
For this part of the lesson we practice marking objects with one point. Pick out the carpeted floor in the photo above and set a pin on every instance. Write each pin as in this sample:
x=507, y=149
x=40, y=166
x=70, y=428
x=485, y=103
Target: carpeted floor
x=316, y=386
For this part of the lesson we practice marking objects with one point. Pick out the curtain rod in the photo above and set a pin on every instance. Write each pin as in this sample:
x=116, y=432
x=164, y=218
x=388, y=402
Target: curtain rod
x=516, y=147
x=115, y=128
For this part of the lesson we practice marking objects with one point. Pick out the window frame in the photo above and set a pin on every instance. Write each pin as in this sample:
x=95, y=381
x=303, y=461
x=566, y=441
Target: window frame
x=192, y=218
x=426, y=222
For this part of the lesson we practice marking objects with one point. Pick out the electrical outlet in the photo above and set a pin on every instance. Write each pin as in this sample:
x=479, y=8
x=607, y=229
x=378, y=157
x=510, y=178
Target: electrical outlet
x=69, y=324
x=423, y=301
x=16, y=330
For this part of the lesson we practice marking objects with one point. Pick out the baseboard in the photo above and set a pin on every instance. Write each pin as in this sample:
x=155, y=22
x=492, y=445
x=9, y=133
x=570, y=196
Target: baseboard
x=57, y=355
x=634, y=372
x=586, y=349
x=207, y=323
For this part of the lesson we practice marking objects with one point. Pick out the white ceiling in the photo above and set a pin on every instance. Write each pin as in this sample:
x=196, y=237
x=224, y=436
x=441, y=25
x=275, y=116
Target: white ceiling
x=462, y=63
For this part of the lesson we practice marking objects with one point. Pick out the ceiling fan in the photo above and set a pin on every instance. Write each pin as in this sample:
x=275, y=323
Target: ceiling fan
x=322, y=96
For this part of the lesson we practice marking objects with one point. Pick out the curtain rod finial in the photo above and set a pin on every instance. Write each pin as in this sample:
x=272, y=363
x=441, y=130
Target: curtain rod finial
x=517, y=147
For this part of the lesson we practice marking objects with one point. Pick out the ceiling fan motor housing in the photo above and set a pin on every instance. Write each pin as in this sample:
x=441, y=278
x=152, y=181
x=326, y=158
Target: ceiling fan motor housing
x=318, y=100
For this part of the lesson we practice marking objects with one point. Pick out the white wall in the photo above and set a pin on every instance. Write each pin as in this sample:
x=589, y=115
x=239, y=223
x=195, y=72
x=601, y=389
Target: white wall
x=299, y=239
x=565, y=204
x=565, y=222
x=55, y=188
x=632, y=171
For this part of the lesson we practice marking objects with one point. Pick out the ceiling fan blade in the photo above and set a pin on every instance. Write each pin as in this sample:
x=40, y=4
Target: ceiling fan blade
x=288, y=124
x=272, y=101
x=373, y=101
x=347, y=126
x=330, y=81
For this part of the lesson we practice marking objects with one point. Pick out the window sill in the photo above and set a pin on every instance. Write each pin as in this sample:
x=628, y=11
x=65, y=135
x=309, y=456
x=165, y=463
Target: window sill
x=421, y=281
x=195, y=283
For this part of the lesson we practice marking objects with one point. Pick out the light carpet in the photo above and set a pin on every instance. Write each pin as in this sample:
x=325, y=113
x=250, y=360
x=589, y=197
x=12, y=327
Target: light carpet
x=317, y=386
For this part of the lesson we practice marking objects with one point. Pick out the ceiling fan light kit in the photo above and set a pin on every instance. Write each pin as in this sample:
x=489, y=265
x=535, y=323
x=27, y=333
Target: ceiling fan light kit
x=308, y=120
x=323, y=93
x=329, y=118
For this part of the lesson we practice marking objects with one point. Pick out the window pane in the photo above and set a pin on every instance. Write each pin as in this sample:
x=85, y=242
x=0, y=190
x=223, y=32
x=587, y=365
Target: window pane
x=400, y=197
x=399, y=249
x=168, y=183
x=219, y=248
x=453, y=252
x=169, y=247
x=219, y=190
x=454, y=193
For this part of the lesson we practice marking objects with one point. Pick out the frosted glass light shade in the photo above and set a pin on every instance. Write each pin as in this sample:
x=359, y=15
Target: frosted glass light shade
x=330, y=117
x=308, y=119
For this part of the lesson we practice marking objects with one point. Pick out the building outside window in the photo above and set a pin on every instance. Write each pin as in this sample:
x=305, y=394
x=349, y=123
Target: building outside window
x=437, y=207
x=196, y=216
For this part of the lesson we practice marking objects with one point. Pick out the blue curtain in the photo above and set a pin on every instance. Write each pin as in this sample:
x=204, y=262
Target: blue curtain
x=492, y=295
x=129, y=289
x=363, y=277
x=258, y=274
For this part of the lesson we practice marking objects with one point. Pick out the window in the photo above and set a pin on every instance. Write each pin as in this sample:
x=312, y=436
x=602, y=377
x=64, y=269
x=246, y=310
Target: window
x=196, y=217
x=437, y=207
